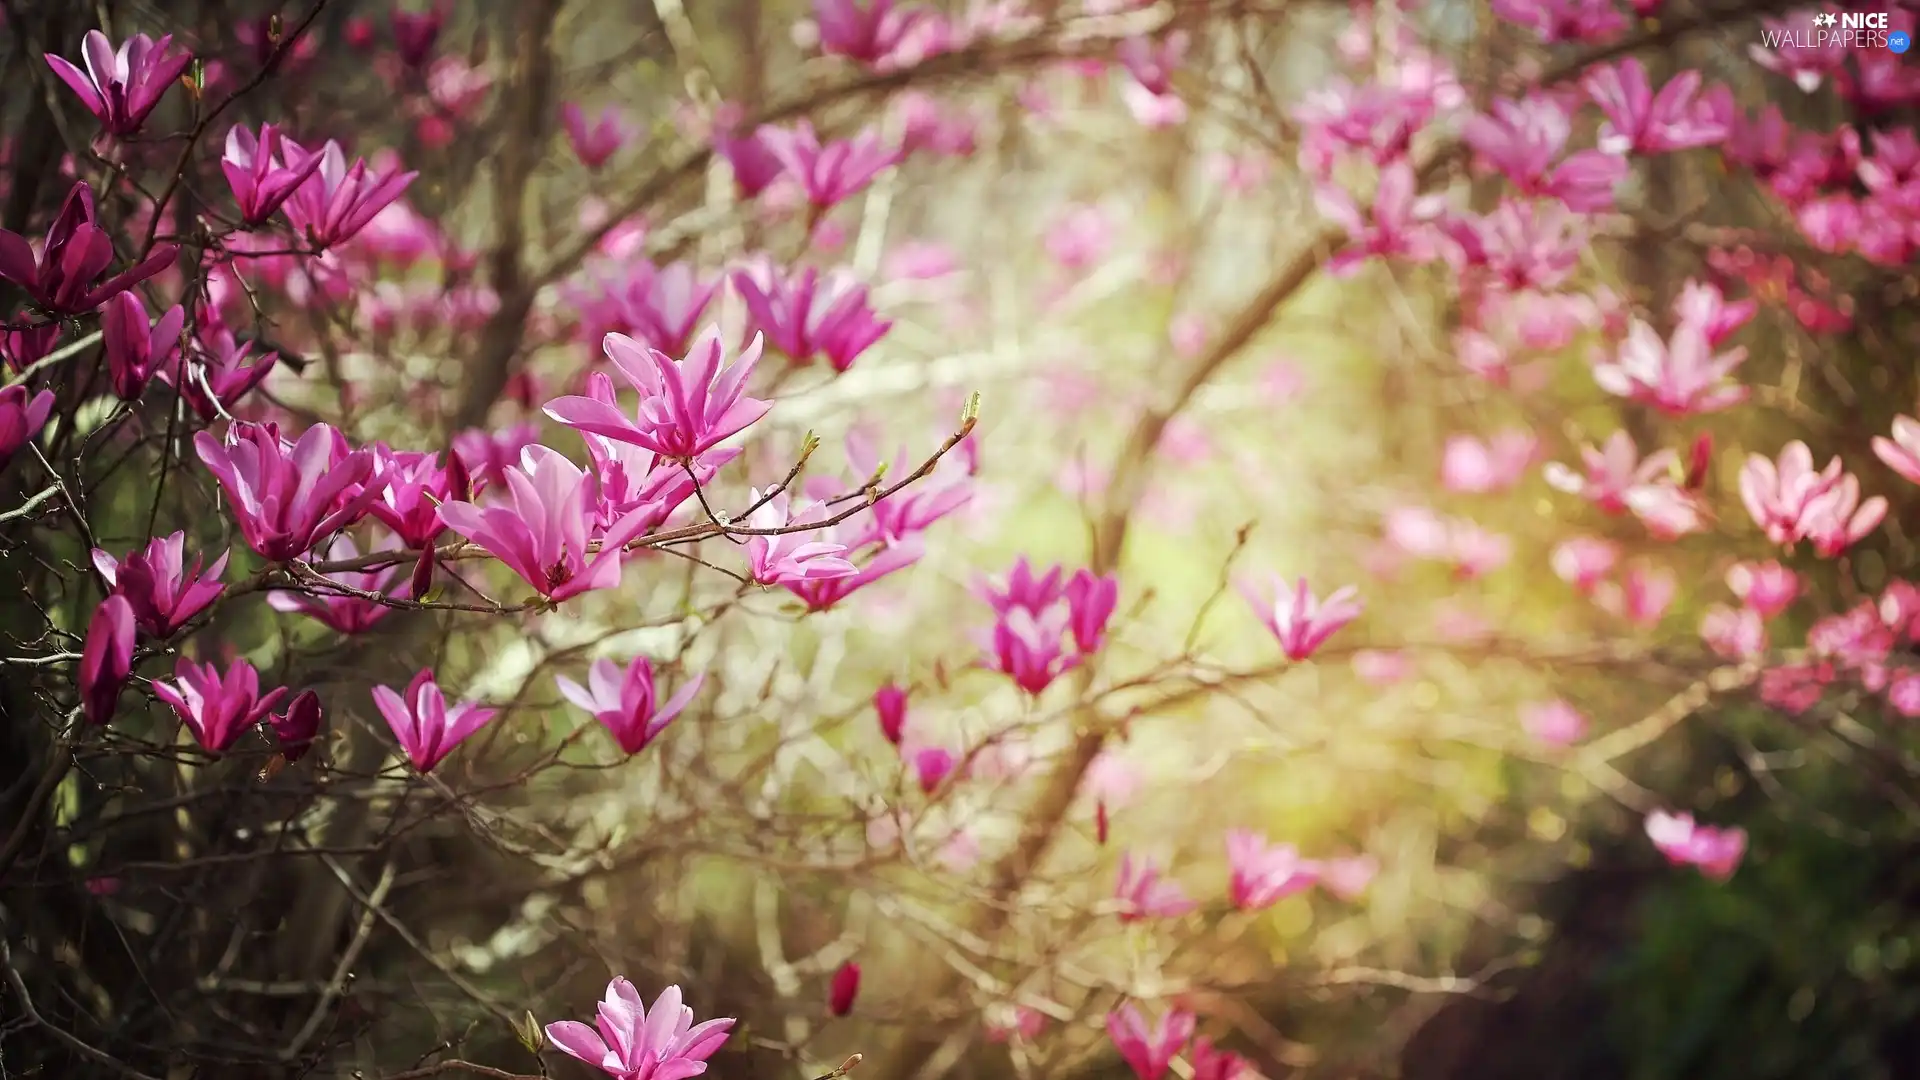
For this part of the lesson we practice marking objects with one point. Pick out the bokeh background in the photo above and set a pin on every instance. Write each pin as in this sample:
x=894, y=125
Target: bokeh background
x=1170, y=387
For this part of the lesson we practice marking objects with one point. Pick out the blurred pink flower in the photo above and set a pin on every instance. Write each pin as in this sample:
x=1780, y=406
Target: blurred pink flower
x=1554, y=723
x=1717, y=852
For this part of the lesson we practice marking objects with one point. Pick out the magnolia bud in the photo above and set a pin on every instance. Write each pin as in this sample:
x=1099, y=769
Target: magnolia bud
x=846, y=986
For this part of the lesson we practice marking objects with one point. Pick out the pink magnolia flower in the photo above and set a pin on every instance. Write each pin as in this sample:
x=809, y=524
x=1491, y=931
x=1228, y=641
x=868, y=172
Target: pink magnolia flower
x=682, y=413
x=1681, y=376
x=1011, y=1023
x=808, y=313
x=212, y=380
x=21, y=349
x=1902, y=452
x=1382, y=667
x=298, y=726
x=1591, y=21
x=822, y=593
x=1613, y=474
x=1791, y=502
x=661, y=305
x=60, y=279
x=1795, y=688
x=287, y=496
x=1642, y=595
x=1347, y=876
x=595, y=144
x=414, y=32
x=261, y=182
x=1263, y=874
x=629, y=1041
x=337, y=200
x=1640, y=121
x=1470, y=466
x=625, y=702
x=1149, y=1051
x=890, y=705
x=426, y=727
x=1521, y=140
x=1144, y=894
x=1766, y=588
x=106, y=659
x=777, y=558
x=218, y=709
x=1805, y=58
x=1584, y=561
x=828, y=175
x=163, y=592
x=338, y=611
x=1214, y=1064
x=1026, y=645
x=1400, y=225
x=1080, y=237
x=1554, y=723
x=866, y=31
x=1704, y=306
x=540, y=530
x=135, y=348
x=1717, y=852
x=1297, y=618
x=416, y=484
x=844, y=988
x=1734, y=633
x=931, y=765
x=1152, y=63
x=1521, y=246
x=21, y=418
x=754, y=166
x=121, y=88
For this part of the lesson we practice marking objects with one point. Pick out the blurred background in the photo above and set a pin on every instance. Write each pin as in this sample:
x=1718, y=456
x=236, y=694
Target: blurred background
x=1172, y=389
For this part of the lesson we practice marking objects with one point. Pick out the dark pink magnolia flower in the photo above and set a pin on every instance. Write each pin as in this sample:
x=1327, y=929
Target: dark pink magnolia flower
x=21, y=349
x=844, y=988
x=1213, y=1064
x=596, y=143
x=260, y=181
x=1765, y=588
x=1152, y=63
x=626, y=703
x=162, y=589
x=339, y=611
x=337, y=200
x=486, y=455
x=540, y=530
x=1595, y=22
x=755, y=167
x=1144, y=894
x=1554, y=723
x=808, y=313
x=1025, y=645
x=833, y=173
x=900, y=516
x=217, y=376
x=1297, y=618
x=1640, y=121
x=1090, y=603
x=425, y=726
x=414, y=32
x=298, y=726
x=823, y=593
x=1681, y=376
x=632, y=1042
x=925, y=126
x=1902, y=452
x=106, y=659
x=21, y=418
x=779, y=558
x=931, y=765
x=1399, y=226
x=635, y=479
x=1792, y=502
x=136, y=350
x=218, y=709
x=121, y=88
x=1523, y=139
x=286, y=496
x=1149, y=1051
x=1014, y=1022
x=1717, y=852
x=60, y=279
x=1734, y=633
x=1022, y=588
x=416, y=484
x=682, y=413
x=1263, y=874
x=866, y=31
x=890, y=705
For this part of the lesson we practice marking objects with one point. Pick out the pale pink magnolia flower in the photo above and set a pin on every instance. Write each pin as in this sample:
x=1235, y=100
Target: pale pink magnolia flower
x=1903, y=693
x=1900, y=609
x=1399, y=226
x=1554, y=723
x=1611, y=472
x=1111, y=780
x=1460, y=624
x=1717, y=852
x=1144, y=894
x=1704, y=305
x=1681, y=376
x=1641, y=121
x=1520, y=245
x=1584, y=561
x=1857, y=640
x=425, y=726
x=1079, y=478
x=1301, y=621
x=1186, y=441
x=1476, y=551
x=630, y=1041
x=1080, y=237
x=1767, y=588
x=1642, y=595
x=1902, y=452
x=920, y=260
x=959, y=852
x=1149, y=1051
x=1734, y=633
x=1470, y=466
x=1347, y=877
x=1795, y=688
x=1382, y=667
x=1792, y=502
x=1263, y=874
x=779, y=558
x=1238, y=174
x=1281, y=381
x=1188, y=333
x=1151, y=110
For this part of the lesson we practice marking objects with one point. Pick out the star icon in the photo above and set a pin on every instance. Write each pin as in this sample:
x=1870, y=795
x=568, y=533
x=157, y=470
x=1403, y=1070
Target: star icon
x=1825, y=19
